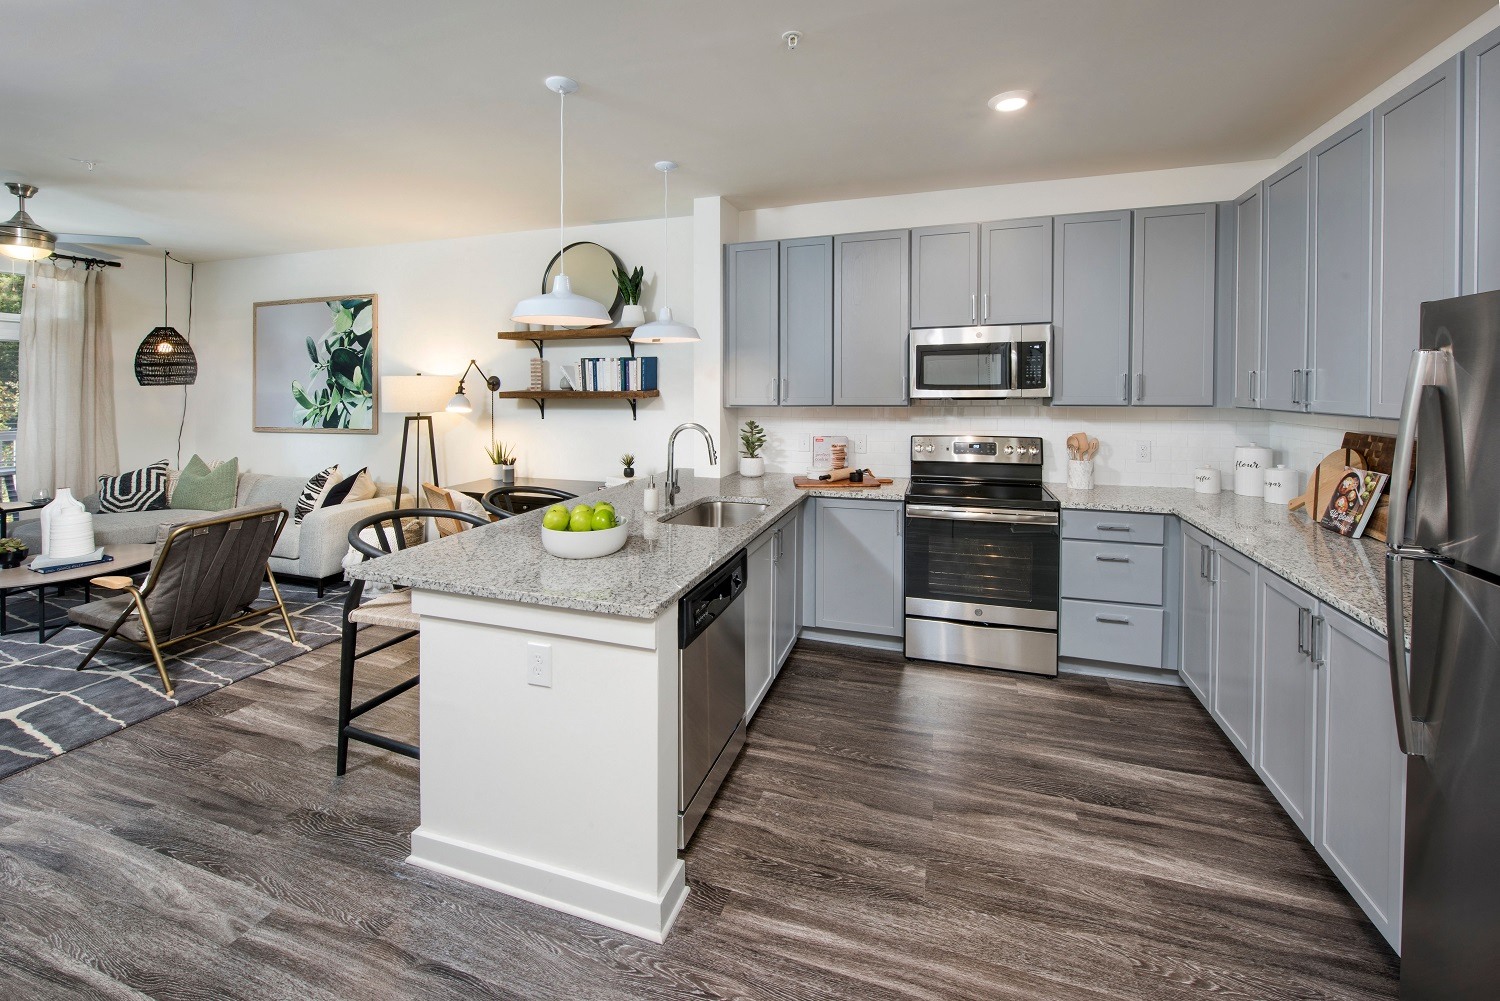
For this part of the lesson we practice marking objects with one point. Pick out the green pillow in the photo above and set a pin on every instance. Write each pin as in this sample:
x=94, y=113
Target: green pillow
x=202, y=489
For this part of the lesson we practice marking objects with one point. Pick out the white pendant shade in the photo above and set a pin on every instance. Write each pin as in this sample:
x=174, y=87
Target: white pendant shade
x=664, y=330
x=560, y=307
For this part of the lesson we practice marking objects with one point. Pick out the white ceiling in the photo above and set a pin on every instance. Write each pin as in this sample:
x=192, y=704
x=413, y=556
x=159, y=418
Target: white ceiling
x=234, y=129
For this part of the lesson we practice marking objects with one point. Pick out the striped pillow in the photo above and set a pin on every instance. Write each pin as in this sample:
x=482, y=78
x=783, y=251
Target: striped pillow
x=138, y=490
x=313, y=492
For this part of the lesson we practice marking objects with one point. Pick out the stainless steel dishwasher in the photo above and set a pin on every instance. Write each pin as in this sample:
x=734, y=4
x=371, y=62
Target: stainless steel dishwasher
x=711, y=666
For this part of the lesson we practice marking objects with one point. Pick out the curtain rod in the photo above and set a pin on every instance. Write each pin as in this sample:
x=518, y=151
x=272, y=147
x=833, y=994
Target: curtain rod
x=92, y=262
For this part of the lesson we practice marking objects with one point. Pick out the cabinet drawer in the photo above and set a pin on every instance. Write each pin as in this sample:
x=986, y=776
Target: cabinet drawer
x=1111, y=526
x=1103, y=571
x=1118, y=634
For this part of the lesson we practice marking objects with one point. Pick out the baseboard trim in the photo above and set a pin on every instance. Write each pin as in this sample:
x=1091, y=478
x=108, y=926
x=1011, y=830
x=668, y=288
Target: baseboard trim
x=1119, y=672
x=893, y=643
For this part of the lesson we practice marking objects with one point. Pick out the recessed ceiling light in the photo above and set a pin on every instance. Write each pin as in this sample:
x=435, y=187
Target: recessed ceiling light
x=1011, y=100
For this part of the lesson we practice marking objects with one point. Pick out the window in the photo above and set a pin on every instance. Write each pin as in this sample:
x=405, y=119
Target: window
x=10, y=295
x=11, y=287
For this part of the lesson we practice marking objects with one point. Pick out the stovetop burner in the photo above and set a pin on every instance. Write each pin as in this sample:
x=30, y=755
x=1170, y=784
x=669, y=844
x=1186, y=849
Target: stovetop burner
x=978, y=471
x=978, y=493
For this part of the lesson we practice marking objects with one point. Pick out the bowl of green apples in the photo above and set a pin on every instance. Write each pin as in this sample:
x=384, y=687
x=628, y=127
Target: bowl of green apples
x=585, y=532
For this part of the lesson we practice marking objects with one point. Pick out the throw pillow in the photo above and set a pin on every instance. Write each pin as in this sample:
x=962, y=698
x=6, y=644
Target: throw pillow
x=351, y=489
x=200, y=488
x=173, y=475
x=314, y=491
x=138, y=490
x=452, y=500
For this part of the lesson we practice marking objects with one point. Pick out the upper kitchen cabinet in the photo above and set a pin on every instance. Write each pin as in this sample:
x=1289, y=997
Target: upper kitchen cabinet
x=945, y=276
x=806, y=366
x=1338, y=369
x=751, y=320
x=1015, y=271
x=1415, y=222
x=1481, y=211
x=1284, y=292
x=871, y=279
x=1091, y=309
x=1173, y=305
x=1249, y=260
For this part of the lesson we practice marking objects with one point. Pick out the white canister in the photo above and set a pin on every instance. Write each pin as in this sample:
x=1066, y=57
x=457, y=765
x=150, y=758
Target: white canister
x=1280, y=485
x=1250, y=461
x=1206, y=480
x=1080, y=474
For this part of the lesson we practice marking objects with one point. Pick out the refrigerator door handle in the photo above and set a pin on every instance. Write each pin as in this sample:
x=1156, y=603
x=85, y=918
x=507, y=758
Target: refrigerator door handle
x=1427, y=368
x=1411, y=734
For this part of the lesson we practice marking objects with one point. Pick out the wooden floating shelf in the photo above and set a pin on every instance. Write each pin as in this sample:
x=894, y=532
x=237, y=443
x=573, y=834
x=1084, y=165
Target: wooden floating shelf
x=541, y=396
x=540, y=337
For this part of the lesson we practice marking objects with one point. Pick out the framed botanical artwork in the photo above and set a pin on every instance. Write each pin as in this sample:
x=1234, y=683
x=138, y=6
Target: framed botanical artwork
x=315, y=365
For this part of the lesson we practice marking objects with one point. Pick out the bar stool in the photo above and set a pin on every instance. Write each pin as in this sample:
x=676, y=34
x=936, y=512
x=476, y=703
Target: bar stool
x=500, y=501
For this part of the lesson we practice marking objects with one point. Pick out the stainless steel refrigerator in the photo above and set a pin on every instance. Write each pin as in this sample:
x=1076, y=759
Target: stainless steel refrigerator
x=1447, y=691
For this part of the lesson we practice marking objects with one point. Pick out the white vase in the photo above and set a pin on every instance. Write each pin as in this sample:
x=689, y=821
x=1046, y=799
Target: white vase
x=497, y=472
x=632, y=316
x=64, y=501
x=752, y=467
x=1081, y=474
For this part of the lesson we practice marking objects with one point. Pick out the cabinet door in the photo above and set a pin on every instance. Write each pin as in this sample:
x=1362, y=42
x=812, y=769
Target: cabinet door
x=1249, y=259
x=1416, y=231
x=1286, y=732
x=1361, y=773
x=1173, y=305
x=1481, y=209
x=759, y=599
x=807, y=322
x=1234, y=702
x=751, y=316
x=859, y=586
x=945, y=276
x=1339, y=253
x=787, y=618
x=1091, y=309
x=1285, y=297
x=871, y=276
x=1015, y=271
x=1197, y=665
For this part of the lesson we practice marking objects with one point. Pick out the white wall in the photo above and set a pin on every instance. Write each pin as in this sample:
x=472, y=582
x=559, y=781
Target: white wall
x=146, y=417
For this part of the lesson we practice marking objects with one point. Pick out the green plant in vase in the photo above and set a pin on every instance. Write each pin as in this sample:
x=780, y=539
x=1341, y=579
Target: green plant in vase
x=12, y=552
x=630, y=283
x=628, y=461
x=502, y=461
x=752, y=441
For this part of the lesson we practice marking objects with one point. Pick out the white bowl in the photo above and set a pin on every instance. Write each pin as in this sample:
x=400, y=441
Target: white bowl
x=585, y=545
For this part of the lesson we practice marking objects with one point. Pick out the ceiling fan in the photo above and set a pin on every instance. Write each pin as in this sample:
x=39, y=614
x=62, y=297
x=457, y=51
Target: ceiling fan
x=23, y=239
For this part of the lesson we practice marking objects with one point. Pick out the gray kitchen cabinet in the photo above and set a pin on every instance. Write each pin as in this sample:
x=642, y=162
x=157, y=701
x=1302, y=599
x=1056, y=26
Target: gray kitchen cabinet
x=858, y=579
x=1173, y=305
x=1417, y=162
x=1104, y=571
x=1339, y=256
x=1481, y=202
x=786, y=620
x=1286, y=733
x=751, y=321
x=1197, y=663
x=1091, y=309
x=1284, y=294
x=1015, y=271
x=945, y=276
x=1233, y=702
x=806, y=336
x=760, y=609
x=1249, y=260
x=1361, y=773
x=871, y=281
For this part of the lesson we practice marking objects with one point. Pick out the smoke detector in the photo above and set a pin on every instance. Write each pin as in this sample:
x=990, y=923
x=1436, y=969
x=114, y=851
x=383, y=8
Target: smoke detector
x=792, y=39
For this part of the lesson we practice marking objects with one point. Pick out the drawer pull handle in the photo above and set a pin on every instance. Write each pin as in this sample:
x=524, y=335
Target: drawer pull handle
x=1114, y=620
x=1113, y=528
x=1112, y=559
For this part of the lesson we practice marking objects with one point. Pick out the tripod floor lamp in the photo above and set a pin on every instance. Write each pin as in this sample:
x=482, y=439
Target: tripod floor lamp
x=418, y=397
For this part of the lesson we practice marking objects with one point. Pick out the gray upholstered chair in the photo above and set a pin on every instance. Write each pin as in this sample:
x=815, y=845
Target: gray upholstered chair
x=206, y=575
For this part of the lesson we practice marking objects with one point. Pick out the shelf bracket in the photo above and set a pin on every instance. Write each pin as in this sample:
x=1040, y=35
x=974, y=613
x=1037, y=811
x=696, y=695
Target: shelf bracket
x=632, y=408
x=540, y=405
x=538, y=342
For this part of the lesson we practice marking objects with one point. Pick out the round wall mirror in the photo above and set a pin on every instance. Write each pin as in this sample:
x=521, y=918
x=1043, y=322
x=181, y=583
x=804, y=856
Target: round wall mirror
x=590, y=268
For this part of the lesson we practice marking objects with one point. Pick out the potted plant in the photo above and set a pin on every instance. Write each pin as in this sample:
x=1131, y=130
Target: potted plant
x=753, y=439
x=630, y=293
x=503, y=462
x=12, y=553
x=628, y=461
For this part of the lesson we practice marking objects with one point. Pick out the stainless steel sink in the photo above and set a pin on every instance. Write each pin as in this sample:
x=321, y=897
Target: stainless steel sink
x=716, y=514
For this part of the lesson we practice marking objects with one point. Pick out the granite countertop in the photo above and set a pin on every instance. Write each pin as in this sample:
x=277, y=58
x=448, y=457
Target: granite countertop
x=657, y=566
x=1348, y=574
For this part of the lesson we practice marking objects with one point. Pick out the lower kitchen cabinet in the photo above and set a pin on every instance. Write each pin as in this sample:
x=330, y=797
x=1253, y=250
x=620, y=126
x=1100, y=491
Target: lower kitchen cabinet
x=760, y=606
x=786, y=620
x=1114, y=575
x=1197, y=654
x=1233, y=697
x=858, y=583
x=1286, y=737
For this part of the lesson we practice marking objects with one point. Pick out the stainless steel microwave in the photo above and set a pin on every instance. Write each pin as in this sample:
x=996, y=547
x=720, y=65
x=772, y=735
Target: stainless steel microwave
x=982, y=363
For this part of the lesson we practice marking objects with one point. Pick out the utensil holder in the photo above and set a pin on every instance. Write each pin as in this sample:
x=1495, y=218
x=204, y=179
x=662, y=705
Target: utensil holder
x=1080, y=474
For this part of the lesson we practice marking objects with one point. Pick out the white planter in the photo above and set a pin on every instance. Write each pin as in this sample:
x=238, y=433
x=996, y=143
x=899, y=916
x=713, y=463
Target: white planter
x=632, y=316
x=508, y=474
x=752, y=467
x=497, y=473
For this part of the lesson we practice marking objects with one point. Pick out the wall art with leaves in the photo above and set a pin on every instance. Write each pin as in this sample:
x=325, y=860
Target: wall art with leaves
x=315, y=365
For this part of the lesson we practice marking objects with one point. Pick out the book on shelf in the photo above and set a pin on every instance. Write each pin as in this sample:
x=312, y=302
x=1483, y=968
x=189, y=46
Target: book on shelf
x=616, y=375
x=1353, y=501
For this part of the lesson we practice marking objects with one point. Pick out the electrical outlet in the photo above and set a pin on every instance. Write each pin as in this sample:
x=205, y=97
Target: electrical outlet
x=861, y=443
x=1143, y=451
x=539, y=664
x=804, y=443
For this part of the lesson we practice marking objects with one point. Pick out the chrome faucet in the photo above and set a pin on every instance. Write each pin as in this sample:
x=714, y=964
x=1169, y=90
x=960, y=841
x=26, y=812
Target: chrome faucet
x=713, y=457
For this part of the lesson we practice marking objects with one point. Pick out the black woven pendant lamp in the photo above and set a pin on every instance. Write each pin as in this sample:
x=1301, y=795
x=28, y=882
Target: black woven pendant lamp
x=165, y=358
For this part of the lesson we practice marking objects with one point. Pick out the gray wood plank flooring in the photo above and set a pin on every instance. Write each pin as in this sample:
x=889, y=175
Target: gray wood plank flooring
x=893, y=830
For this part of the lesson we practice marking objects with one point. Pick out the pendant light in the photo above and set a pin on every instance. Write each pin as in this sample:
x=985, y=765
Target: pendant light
x=165, y=358
x=664, y=329
x=20, y=236
x=560, y=307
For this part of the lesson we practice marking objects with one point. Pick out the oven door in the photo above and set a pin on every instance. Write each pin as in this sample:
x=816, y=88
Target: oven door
x=963, y=363
x=982, y=566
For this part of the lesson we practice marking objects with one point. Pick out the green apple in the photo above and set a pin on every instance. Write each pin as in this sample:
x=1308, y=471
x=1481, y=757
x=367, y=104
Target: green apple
x=582, y=519
x=603, y=518
x=556, y=518
x=604, y=505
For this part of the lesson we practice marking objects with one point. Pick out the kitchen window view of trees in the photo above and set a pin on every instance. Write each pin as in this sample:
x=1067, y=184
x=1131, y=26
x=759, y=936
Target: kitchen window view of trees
x=10, y=385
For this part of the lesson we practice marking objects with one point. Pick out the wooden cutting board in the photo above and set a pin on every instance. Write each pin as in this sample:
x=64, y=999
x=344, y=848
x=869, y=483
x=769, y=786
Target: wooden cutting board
x=871, y=482
x=1379, y=451
x=1323, y=481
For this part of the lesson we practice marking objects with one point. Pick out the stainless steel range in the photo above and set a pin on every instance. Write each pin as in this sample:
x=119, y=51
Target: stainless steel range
x=982, y=553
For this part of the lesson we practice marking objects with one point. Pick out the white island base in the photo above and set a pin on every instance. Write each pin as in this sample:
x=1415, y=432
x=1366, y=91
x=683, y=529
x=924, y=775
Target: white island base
x=565, y=796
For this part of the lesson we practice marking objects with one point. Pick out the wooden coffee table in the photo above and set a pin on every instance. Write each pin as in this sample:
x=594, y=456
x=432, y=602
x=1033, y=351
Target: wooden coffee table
x=127, y=559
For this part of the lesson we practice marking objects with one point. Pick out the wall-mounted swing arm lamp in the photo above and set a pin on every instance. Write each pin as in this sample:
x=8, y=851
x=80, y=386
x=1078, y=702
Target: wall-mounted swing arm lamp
x=460, y=403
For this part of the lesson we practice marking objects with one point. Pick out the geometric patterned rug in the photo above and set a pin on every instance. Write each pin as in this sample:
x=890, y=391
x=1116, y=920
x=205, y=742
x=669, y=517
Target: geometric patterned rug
x=48, y=708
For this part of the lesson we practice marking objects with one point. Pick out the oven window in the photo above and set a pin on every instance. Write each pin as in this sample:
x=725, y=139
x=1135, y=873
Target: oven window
x=982, y=562
x=964, y=366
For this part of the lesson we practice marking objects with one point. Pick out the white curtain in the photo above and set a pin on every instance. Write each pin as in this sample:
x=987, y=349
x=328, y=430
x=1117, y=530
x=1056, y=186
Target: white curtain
x=66, y=433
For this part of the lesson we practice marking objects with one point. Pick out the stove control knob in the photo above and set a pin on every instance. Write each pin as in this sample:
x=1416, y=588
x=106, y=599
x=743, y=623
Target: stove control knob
x=1033, y=450
x=1010, y=449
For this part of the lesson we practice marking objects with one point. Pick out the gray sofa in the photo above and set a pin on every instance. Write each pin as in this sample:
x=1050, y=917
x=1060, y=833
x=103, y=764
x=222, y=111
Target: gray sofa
x=313, y=551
